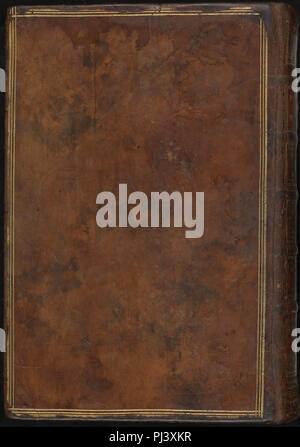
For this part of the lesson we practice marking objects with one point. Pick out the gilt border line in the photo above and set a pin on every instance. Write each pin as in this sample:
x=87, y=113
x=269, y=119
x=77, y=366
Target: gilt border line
x=258, y=412
x=10, y=184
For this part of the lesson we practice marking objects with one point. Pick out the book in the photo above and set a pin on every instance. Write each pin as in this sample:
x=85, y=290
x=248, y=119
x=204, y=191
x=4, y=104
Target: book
x=150, y=212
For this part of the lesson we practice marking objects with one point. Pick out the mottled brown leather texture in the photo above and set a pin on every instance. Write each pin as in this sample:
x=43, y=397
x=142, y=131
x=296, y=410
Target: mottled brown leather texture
x=143, y=323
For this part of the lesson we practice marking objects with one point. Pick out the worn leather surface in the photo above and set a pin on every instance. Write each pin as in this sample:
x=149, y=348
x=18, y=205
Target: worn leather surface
x=145, y=319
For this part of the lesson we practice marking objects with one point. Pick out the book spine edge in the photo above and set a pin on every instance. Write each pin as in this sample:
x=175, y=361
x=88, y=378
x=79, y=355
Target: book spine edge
x=284, y=299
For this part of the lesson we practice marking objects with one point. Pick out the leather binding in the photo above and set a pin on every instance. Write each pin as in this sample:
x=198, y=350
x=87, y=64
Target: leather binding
x=283, y=138
x=47, y=295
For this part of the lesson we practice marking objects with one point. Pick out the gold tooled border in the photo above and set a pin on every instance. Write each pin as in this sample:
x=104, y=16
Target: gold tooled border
x=258, y=412
x=10, y=220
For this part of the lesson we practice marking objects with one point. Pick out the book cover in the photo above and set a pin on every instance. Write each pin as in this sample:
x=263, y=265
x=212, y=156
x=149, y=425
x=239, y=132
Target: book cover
x=150, y=212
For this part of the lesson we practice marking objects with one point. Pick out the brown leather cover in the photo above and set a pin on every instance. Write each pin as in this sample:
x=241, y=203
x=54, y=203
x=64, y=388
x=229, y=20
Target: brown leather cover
x=143, y=323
